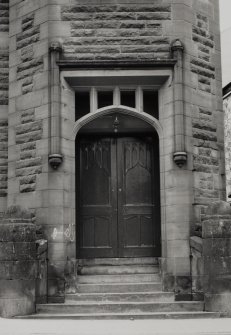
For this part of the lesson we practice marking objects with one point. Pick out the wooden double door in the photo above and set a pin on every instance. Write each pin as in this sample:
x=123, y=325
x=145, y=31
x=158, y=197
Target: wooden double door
x=118, y=197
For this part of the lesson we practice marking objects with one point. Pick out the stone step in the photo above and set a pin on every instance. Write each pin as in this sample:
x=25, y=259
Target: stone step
x=121, y=316
x=119, y=287
x=132, y=296
x=119, y=261
x=128, y=278
x=120, y=307
x=117, y=269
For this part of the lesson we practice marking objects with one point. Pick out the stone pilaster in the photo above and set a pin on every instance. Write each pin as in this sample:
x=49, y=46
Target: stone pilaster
x=55, y=157
x=179, y=155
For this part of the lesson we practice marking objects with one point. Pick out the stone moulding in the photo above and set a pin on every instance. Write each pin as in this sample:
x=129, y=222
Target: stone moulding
x=67, y=64
x=55, y=157
x=179, y=156
x=176, y=62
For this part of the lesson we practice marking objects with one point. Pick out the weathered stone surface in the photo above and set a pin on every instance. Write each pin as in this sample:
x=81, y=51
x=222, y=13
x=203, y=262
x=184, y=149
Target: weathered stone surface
x=29, y=164
x=17, y=232
x=217, y=247
x=197, y=268
x=41, y=281
x=28, y=127
x=4, y=15
x=29, y=137
x=125, y=25
x=29, y=68
x=27, y=188
x=28, y=37
x=29, y=171
x=202, y=66
x=227, y=131
x=218, y=302
x=28, y=146
x=12, y=251
x=18, y=269
x=209, y=126
x=18, y=266
x=113, y=31
x=56, y=290
x=3, y=157
x=211, y=265
x=27, y=154
x=28, y=22
x=16, y=288
x=217, y=228
x=219, y=209
x=217, y=266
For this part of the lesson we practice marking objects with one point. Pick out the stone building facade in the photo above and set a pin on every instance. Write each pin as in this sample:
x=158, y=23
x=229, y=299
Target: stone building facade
x=227, y=127
x=71, y=69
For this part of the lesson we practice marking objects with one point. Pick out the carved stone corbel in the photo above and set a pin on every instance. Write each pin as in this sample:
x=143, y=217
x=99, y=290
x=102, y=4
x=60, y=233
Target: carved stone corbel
x=55, y=158
x=180, y=155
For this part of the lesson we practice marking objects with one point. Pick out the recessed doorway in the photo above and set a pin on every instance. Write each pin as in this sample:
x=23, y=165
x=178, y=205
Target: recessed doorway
x=118, y=195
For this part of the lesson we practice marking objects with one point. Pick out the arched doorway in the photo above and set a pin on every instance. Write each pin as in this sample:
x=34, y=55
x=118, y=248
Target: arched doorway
x=117, y=185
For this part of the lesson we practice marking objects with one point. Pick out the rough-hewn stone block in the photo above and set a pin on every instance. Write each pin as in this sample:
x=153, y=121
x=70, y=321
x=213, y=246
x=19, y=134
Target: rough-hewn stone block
x=17, y=232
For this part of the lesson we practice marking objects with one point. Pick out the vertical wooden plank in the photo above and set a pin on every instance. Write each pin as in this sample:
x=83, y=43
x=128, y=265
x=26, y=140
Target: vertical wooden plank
x=120, y=201
x=114, y=195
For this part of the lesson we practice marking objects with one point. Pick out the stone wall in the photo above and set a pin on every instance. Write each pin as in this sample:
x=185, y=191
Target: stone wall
x=197, y=268
x=207, y=115
x=29, y=164
x=18, y=265
x=28, y=112
x=116, y=31
x=227, y=111
x=210, y=259
x=41, y=278
x=204, y=42
x=4, y=77
x=113, y=30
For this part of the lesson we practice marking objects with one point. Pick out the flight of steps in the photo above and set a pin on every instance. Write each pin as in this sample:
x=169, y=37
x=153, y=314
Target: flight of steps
x=125, y=288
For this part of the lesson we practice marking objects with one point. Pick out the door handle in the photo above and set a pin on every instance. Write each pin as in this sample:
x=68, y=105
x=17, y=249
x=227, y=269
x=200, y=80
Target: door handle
x=120, y=189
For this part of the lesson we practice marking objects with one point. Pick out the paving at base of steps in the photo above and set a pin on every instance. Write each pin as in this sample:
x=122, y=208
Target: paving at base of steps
x=111, y=327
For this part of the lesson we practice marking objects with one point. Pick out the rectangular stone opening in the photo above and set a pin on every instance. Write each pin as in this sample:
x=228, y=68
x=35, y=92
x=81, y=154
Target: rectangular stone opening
x=105, y=98
x=150, y=103
x=128, y=98
x=82, y=104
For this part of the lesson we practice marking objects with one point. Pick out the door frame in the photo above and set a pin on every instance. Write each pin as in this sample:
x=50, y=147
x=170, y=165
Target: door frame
x=155, y=124
x=116, y=200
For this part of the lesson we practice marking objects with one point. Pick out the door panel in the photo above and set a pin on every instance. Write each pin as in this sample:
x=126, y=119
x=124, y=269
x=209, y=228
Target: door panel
x=97, y=233
x=118, y=197
x=136, y=197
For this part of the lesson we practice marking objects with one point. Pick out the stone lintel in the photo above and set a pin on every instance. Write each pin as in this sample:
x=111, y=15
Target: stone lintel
x=108, y=64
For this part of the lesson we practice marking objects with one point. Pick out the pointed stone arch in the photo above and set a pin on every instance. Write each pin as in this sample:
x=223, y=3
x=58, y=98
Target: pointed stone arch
x=157, y=128
x=120, y=110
